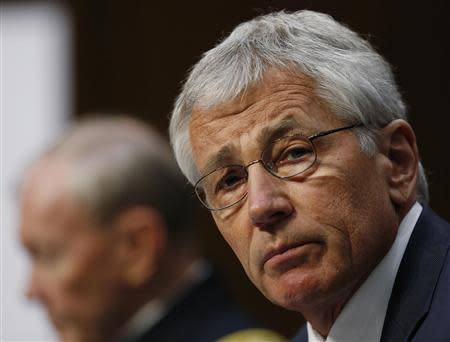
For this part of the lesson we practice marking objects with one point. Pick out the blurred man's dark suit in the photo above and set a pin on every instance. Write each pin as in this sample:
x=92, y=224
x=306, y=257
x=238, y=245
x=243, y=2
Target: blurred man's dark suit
x=419, y=307
x=204, y=313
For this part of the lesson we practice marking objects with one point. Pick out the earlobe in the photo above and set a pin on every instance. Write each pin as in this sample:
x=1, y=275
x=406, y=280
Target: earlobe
x=400, y=148
x=142, y=241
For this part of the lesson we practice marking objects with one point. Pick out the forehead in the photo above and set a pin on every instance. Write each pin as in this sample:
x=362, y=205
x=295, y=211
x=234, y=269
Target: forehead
x=48, y=210
x=281, y=101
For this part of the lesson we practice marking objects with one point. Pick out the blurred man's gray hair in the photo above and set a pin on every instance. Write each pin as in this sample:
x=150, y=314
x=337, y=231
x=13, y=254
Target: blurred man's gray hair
x=117, y=162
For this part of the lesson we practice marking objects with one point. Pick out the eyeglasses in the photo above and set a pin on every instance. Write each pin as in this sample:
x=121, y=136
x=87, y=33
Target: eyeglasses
x=285, y=157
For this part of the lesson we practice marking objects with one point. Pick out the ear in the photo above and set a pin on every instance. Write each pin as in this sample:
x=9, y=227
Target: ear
x=399, y=146
x=142, y=235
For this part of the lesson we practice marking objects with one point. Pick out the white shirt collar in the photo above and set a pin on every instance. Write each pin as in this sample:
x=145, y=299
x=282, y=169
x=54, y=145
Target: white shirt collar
x=362, y=318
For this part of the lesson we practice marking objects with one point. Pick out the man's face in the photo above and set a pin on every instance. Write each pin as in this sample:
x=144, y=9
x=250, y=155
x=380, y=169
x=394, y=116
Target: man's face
x=74, y=263
x=308, y=241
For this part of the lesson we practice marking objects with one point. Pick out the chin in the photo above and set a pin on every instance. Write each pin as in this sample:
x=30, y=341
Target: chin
x=69, y=331
x=295, y=298
x=297, y=291
x=288, y=292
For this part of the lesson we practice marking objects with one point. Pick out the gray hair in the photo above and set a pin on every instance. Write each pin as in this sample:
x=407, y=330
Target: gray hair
x=350, y=77
x=117, y=162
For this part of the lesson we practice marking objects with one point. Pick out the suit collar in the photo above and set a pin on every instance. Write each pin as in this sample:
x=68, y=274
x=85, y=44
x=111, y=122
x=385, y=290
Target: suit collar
x=417, y=277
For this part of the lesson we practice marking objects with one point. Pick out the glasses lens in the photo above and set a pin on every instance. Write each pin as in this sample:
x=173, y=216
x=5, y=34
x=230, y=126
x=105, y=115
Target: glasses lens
x=223, y=187
x=289, y=156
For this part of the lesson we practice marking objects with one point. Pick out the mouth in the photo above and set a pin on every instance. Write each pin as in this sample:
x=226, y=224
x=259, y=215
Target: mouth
x=286, y=254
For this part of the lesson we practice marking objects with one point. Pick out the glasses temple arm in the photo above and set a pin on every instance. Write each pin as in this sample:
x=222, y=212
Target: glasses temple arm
x=321, y=134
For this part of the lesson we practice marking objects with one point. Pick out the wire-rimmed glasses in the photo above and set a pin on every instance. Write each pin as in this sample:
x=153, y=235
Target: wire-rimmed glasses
x=284, y=158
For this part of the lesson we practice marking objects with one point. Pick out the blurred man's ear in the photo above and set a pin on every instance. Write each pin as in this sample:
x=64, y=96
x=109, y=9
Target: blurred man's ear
x=142, y=235
x=399, y=146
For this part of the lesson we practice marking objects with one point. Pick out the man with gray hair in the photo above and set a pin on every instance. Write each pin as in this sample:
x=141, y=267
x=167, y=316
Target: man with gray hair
x=108, y=221
x=294, y=134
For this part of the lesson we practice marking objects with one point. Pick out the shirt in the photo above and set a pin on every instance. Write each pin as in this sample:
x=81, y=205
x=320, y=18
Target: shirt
x=362, y=318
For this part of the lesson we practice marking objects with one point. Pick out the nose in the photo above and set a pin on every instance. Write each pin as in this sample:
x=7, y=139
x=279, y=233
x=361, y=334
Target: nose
x=268, y=204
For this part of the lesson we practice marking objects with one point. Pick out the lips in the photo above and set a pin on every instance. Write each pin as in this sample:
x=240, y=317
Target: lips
x=284, y=253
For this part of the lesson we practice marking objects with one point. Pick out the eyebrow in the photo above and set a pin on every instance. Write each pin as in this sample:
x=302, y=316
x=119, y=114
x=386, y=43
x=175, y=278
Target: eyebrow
x=223, y=157
x=226, y=155
x=269, y=134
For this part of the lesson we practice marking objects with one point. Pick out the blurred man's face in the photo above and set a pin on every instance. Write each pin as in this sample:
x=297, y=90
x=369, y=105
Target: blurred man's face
x=75, y=273
x=306, y=242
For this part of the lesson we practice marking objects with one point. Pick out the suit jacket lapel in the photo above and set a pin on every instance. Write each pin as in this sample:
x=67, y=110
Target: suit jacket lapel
x=417, y=277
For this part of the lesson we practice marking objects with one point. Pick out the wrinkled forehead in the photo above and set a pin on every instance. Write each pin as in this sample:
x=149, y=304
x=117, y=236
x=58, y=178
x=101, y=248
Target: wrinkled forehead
x=234, y=131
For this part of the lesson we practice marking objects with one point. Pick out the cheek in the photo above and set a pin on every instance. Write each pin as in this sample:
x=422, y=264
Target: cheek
x=56, y=289
x=52, y=285
x=342, y=190
x=238, y=237
x=354, y=203
x=89, y=271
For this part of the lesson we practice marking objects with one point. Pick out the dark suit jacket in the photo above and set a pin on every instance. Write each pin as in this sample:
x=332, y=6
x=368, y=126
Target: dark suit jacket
x=419, y=307
x=204, y=314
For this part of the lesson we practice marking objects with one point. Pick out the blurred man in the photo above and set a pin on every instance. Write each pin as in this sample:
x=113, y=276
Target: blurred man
x=295, y=136
x=107, y=220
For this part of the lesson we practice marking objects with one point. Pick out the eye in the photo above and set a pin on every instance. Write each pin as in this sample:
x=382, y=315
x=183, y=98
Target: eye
x=294, y=153
x=47, y=254
x=289, y=154
x=231, y=180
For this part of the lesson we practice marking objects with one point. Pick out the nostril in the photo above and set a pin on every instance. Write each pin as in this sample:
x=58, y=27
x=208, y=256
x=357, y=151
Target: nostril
x=277, y=217
x=270, y=219
x=269, y=209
